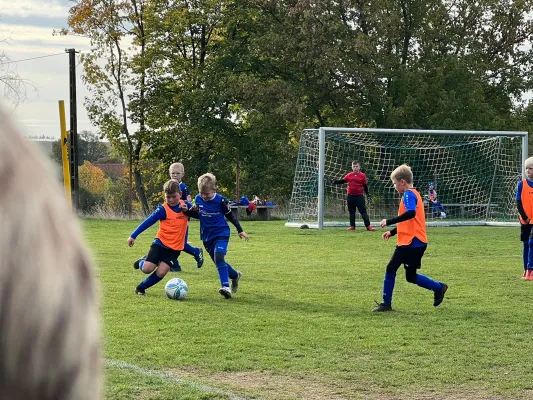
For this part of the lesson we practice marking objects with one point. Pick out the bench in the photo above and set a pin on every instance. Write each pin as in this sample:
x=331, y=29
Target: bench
x=264, y=213
x=462, y=207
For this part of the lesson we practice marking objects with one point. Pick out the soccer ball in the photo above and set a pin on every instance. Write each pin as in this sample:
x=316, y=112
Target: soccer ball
x=443, y=214
x=176, y=289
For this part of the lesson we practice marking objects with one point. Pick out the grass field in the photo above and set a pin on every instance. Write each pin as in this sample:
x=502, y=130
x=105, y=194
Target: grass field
x=300, y=326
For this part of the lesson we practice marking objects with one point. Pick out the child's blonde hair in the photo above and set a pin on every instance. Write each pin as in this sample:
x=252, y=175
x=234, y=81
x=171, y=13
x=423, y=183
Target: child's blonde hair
x=177, y=165
x=207, y=182
x=402, y=172
x=171, y=187
x=50, y=335
x=528, y=162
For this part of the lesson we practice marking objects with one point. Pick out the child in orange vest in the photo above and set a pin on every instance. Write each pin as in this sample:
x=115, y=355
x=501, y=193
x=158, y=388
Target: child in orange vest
x=524, y=203
x=177, y=172
x=432, y=196
x=412, y=241
x=170, y=238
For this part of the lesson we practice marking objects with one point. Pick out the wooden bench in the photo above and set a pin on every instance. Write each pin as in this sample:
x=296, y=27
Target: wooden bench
x=461, y=206
x=264, y=213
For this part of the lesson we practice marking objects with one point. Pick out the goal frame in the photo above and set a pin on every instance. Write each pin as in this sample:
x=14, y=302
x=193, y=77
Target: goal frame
x=322, y=158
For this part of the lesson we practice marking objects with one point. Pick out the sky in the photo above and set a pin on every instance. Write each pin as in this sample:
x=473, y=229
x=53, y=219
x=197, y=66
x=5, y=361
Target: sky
x=26, y=33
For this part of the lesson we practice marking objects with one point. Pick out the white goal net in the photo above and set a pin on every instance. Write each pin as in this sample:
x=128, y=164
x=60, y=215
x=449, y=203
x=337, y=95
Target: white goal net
x=475, y=174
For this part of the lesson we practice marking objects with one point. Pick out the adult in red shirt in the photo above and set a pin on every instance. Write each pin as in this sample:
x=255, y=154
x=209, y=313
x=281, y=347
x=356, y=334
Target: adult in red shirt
x=357, y=186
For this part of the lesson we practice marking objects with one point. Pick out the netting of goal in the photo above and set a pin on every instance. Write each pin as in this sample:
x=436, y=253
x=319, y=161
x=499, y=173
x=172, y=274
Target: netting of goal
x=475, y=174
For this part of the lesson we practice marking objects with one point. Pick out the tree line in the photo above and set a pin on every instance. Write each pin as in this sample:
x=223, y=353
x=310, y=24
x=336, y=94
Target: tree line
x=228, y=86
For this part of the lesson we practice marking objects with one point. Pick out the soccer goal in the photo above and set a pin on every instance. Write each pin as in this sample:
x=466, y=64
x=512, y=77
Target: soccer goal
x=475, y=174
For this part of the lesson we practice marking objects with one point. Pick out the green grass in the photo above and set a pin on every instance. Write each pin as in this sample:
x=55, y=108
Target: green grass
x=301, y=327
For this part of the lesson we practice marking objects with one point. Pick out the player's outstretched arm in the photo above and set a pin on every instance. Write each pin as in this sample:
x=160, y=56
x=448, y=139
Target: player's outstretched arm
x=337, y=181
x=157, y=215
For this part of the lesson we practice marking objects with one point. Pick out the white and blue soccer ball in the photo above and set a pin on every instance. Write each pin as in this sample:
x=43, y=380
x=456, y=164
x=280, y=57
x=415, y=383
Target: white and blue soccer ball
x=176, y=289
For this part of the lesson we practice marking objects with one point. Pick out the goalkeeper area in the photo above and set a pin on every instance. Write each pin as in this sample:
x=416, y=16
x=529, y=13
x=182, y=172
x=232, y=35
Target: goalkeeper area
x=475, y=174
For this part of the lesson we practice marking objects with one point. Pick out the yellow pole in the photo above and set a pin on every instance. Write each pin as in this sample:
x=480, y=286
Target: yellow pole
x=64, y=153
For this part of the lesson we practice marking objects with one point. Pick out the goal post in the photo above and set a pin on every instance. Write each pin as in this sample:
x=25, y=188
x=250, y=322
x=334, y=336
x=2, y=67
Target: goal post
x=475, y=173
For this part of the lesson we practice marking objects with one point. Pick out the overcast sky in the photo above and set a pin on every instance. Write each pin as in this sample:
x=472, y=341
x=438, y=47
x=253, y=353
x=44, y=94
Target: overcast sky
x=26, y=28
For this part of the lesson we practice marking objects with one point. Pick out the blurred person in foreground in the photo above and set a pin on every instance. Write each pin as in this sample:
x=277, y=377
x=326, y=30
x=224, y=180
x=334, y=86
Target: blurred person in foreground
x=49, y=336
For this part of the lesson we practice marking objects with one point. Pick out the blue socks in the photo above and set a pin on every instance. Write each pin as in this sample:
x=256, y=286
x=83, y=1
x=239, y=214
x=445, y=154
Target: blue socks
x=193, y=251
x=231, y=272
x=525, y=253
x=427, y=283
x=388, y=287
x=150, y=281
x=223, y=273
x=421, y=280
x=529, y=263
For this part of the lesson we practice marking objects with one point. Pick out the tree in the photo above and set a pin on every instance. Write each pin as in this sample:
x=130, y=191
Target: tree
x=93, y=186
x=90, y=148
x=92, y=178
x=116, y=30
x=226, y=86
x=196, y=100
x=14, y=88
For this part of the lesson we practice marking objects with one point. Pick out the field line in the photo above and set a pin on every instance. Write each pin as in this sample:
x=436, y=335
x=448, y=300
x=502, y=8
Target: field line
x=170, y=378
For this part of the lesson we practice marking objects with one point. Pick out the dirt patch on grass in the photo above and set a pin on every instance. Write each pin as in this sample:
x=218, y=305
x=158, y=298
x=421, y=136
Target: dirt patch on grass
x=269, y=386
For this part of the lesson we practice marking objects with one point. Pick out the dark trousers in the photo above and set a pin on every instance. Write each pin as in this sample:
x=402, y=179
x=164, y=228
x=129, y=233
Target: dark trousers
x=357, y=202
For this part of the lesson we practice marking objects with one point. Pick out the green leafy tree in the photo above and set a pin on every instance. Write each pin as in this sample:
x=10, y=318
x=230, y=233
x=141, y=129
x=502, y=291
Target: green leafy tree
x=93, y=186
x=227, y=86
x=90, y=148
x=116, y=30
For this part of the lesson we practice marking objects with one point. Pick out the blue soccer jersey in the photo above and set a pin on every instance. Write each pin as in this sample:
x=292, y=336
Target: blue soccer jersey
x=212, y=215
x=519, y=189
x=185, y=192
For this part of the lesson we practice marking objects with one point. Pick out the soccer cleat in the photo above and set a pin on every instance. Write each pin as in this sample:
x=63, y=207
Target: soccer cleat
x=382, y=308
x=140, y=291
x=199, y=258
x=370, y=228
x=351, y=228
x=439, y=295
x=225, y=291
x=529, y=275
x=138, y=262
x=235, y=282
x=175, y=267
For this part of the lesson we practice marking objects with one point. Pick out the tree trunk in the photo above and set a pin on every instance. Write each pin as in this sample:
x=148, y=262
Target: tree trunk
x=238, y=177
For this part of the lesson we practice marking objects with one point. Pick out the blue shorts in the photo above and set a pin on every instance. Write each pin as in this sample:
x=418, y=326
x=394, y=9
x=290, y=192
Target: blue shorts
x=217, y=245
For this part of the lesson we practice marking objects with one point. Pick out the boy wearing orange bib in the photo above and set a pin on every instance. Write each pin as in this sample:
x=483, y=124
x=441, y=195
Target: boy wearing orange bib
x=524, y=203
x=412, y=241
x=170, y=238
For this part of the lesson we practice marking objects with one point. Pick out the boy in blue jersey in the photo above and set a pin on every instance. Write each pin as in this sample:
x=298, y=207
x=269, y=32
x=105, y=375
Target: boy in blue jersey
x=432, y=196
x=170, y=238
x=524, y=203
x=412, y=241
x=213, y=209
x=177, y=172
